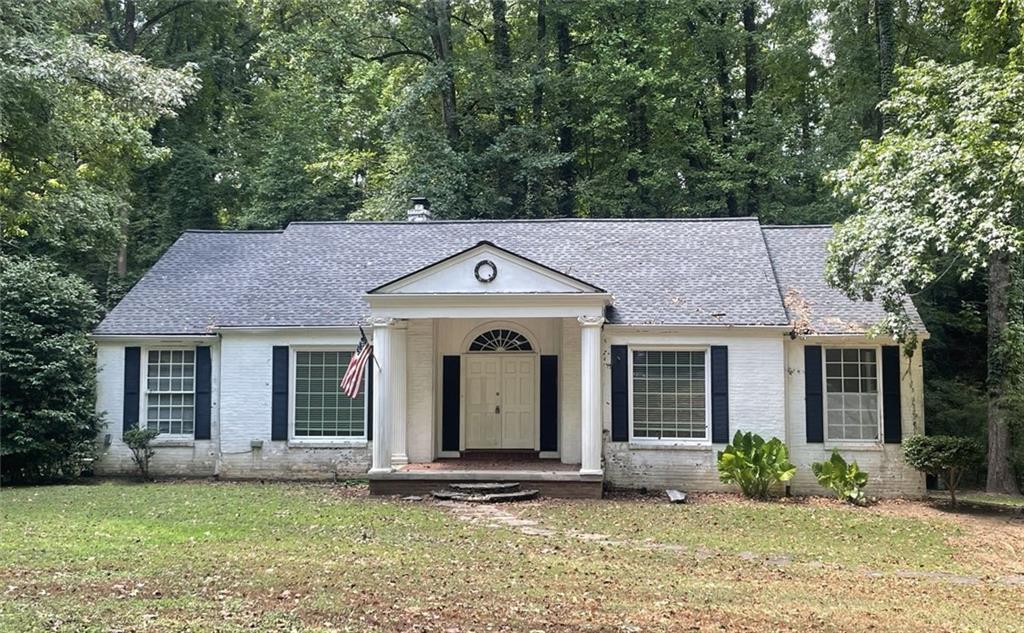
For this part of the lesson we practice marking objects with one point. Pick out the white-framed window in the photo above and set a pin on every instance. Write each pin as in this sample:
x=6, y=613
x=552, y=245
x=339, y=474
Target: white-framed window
x=321, y=410
x=170, y=391
x=669, y=394
x=852, y=402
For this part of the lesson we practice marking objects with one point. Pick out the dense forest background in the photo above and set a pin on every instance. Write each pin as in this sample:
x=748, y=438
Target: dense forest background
x=124, y=122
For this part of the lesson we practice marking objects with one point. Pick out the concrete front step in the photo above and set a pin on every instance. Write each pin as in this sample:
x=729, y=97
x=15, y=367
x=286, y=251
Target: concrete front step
x=493, y=497
x=484, y=487
x=554, y=484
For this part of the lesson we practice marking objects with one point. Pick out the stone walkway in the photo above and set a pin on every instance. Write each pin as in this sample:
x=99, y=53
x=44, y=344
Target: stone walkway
x=502, y=517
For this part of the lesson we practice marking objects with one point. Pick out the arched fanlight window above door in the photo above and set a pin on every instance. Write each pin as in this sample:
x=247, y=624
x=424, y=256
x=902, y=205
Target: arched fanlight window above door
x=500, y=340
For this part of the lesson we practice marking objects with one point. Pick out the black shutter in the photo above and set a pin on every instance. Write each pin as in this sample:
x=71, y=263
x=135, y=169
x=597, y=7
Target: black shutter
x=450, y=391
x=813, y=394
x=369, y=400
x=132, y=376
x=549, y=403
x=279, y=397
x=620, y=393
x=892, y=414
x=719, y=394
x=203, y=393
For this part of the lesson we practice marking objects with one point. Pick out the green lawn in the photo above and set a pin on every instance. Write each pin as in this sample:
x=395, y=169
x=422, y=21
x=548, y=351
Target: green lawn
x=205, y=556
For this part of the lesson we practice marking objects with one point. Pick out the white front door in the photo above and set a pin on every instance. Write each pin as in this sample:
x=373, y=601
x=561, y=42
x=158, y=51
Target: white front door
x=501, y=401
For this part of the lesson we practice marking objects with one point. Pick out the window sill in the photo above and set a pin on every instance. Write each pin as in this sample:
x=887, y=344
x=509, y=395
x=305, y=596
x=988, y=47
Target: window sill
x=172, y=442
x=662, y=445
x=325, y=443
x=854, y=446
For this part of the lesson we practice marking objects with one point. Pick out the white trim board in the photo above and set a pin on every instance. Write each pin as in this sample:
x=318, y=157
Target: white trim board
x=505, y=306
x=513, y=274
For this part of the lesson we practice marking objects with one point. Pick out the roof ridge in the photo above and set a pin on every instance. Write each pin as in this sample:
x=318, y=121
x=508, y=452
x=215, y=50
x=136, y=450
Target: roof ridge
x=797, y=226
x=519, y=220
x=231, y=231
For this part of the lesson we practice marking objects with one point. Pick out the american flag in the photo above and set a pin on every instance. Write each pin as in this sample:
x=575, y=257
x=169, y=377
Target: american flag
x=353, y=378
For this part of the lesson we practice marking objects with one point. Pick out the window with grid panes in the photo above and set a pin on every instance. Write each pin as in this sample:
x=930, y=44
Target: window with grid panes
x=322, y=410
x=851, y=393
x=170, y=391
x=669, y=392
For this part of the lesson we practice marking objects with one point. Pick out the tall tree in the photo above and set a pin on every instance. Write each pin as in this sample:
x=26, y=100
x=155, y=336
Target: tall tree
x=439, y=15
x=942, y=191
x=126, y=24
x=74, y=127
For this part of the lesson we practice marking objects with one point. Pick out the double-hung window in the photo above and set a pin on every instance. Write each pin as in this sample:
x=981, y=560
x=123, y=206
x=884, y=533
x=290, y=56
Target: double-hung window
x=851, y=393
x=669, y=394
x=322, y=410
x=170, y=391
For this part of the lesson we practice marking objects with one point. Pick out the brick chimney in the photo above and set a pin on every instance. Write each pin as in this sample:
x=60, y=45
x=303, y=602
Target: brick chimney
x=420, y=211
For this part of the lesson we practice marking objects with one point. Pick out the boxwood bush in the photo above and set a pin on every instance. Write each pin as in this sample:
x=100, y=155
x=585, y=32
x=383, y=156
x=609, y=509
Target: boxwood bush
x=944, y=456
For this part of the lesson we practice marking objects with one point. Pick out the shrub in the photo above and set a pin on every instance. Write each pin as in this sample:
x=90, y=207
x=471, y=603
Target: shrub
x=47, y=389
x=846, y=480
x=944, y=456
x=754, y=464
x=140, y=441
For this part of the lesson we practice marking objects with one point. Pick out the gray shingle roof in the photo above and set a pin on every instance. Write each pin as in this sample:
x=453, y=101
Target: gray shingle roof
x=798, y=256
x=687, y=272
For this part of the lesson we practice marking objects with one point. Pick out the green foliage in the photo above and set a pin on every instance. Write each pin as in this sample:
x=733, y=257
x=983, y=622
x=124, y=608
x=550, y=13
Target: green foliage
x=944, y=456
x=124, y=123
x=74, y=126
x=140, y=441
x=945, y=182
x=754, y=464
x=847, y=481
x=47, y=386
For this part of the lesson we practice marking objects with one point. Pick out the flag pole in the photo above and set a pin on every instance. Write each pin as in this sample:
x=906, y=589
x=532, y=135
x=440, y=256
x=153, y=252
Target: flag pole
x=373, y=355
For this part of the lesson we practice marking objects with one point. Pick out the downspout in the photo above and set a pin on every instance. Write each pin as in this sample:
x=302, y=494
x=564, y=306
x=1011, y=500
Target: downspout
x=786, y=375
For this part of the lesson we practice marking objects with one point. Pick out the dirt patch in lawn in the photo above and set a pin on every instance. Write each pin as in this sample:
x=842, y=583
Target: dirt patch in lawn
x=988, y=540
x=991, y=537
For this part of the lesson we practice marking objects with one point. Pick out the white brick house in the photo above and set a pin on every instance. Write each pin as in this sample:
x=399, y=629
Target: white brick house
x=573, y=352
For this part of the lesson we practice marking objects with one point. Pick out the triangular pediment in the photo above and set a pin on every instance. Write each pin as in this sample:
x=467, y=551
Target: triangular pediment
x=486, y=269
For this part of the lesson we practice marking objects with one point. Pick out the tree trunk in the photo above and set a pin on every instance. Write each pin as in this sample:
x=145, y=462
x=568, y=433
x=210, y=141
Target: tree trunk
x=502, y=61
x=884, y=25
x=439, y=14
x=541, y=59
x=1000, y=472
x=728, y=108
x=638, y=126
x=952, y=482
x=751, y=85
x=567, y=170
x=121, y=266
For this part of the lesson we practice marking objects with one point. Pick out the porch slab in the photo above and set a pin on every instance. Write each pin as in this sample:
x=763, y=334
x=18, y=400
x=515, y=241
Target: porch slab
x=556, y=480
x=477, y=464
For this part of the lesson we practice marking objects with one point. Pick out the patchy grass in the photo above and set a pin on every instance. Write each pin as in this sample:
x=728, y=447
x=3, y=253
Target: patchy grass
x=803, y=530
x=205, y=556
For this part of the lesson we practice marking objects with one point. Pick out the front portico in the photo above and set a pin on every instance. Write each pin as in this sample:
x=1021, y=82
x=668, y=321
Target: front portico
x=486, y=351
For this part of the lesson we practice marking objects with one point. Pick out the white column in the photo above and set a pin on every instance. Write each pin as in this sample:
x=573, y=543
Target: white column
x=382, y=386
x=399, y=378
x=590, y=395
